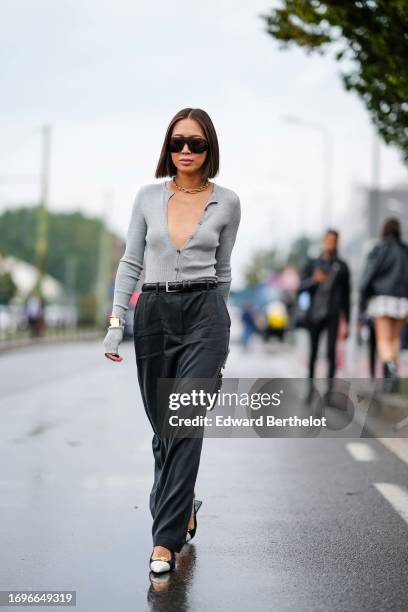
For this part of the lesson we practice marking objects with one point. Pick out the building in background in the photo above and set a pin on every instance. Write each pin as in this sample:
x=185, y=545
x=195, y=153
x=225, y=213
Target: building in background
x=57, y=311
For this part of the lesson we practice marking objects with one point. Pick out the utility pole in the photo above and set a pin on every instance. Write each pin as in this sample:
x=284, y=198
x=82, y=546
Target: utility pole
x=42, y=212
x=327, y=160
x=71, y=269
x=376, y=179
x=374, y=196
x=104, y=262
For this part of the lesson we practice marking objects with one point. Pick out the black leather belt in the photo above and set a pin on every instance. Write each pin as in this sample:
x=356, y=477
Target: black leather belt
x=180, y=286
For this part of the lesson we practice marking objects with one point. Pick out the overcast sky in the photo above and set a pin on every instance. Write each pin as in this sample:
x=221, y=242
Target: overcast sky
x=109, y=75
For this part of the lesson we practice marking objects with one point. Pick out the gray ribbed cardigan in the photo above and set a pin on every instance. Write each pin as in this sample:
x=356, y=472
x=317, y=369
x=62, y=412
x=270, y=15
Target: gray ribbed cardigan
x=206, y=253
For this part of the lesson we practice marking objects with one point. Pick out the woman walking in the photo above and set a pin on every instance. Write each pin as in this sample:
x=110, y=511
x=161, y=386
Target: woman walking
x=182, y=231
x=384, y=296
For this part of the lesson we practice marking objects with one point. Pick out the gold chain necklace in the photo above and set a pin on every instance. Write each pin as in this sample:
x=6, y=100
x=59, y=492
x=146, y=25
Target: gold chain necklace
x=195, y=190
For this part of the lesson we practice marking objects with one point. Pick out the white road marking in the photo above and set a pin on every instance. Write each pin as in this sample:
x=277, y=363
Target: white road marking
x=398, y=446
x=396, y=495
x=361, y=451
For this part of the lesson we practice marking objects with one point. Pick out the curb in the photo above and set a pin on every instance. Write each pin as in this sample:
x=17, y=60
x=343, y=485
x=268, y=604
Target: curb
x=16, y=343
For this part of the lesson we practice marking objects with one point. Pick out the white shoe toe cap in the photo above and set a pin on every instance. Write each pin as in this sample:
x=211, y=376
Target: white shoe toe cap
x=159, y=566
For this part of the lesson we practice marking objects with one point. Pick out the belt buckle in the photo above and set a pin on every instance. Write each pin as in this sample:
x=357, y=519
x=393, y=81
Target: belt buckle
x=170, y=290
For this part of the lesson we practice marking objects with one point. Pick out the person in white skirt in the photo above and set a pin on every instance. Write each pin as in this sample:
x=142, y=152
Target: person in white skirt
x=384, y=296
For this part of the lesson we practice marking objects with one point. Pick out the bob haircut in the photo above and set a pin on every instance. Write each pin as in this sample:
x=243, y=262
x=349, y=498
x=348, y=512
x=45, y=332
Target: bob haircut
x=391, y=229
x=210, y=168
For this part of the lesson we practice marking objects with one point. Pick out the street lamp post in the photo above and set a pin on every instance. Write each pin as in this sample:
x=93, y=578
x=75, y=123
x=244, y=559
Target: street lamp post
x=41, y=244
x=104, y=261
x=298, y=189
x=327, y=163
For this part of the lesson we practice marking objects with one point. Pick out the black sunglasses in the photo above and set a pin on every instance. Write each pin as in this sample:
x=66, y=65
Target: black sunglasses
x=196, y=145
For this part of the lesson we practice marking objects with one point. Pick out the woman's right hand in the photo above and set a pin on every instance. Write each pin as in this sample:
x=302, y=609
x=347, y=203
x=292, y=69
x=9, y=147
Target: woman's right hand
x=111, y=343
x=113, y=357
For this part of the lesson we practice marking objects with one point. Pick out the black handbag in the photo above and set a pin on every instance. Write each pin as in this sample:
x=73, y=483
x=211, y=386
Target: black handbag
x=320, y=307
x=314, y=311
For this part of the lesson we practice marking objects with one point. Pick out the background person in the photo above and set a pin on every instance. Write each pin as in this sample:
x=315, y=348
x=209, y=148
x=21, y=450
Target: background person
x=327, y=279
x=384, y=296
x=249, y=327
x=34, y=310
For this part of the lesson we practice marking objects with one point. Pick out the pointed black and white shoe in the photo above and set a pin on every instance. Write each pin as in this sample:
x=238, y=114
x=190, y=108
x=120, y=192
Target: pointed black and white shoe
x=191, y=532
x=158, y=565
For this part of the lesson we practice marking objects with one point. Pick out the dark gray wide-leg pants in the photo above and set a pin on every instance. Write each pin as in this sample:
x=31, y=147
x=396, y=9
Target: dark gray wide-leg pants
x=177, y=335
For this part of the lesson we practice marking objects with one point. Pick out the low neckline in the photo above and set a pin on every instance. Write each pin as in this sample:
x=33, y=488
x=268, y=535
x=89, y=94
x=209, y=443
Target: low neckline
x=212, y=198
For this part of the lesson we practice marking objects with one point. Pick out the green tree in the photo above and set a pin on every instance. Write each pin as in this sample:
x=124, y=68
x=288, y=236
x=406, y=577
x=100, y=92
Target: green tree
x=372, y=36
x=299, y=251
x=263, y=263
x=8, y=287
x=71, y=236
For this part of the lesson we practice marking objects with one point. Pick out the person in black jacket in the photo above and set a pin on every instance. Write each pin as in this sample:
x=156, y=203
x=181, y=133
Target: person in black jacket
x=327, y=279
x=384, y=295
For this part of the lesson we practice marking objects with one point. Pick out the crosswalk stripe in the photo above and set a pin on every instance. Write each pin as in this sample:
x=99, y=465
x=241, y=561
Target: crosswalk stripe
x=396, y=495
x=398, y=446
x=361, y=451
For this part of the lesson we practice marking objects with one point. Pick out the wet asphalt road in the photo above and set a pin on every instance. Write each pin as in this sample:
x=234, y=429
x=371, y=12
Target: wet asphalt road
x=286, y=524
